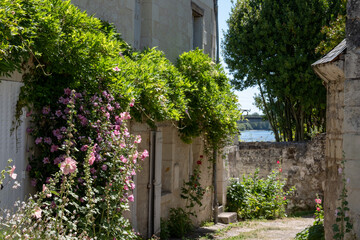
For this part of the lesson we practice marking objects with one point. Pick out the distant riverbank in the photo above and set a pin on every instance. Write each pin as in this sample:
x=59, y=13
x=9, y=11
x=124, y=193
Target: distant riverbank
x=257, y=136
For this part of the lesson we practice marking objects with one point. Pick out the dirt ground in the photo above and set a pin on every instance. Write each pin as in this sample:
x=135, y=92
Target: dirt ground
x=280, y=229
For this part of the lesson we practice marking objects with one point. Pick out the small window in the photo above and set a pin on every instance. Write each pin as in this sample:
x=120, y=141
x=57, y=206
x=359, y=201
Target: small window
x=198, y=26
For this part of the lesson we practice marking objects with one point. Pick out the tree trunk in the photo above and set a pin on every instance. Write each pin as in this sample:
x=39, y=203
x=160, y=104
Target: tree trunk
x=269, y=115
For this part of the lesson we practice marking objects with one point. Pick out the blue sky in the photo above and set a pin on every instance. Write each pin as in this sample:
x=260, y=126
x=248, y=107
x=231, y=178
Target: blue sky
x=246, y=97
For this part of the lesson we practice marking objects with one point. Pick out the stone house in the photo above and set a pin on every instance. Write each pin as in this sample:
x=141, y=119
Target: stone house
x=339, y=70
x=173, y=26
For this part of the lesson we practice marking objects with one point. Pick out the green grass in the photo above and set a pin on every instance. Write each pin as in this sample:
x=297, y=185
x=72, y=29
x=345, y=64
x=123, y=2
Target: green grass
x=252, y=234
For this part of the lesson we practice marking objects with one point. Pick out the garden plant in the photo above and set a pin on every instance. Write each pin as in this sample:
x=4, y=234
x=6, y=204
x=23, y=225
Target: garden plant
x=259, y=198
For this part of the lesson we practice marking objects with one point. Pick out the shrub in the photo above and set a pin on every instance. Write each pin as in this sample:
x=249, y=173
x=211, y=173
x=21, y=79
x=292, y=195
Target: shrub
x=179, y=222
x=256, y=197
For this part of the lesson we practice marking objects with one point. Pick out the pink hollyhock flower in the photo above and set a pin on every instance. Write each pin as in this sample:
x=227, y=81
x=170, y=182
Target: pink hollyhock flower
x=131, y=198
x=145, y=154
x=109, y=107
x=123, y=159
x=33, y=182
x=104, y=167
x=92, y=158
x=132, y=102
x=133, y=172
x=47, y=140
x=12, y=174
x=48, y=180
x=45, y=189
x=137, y=139
x=57, y=160
x=84, y=148
x=68, y=166
x=116, y=69
x=126, y=133
x=37, y=212
x=38, y=140
x=280, y=169
x=318, y=209
x=318, y=200
x=284, y=198
x=46, y=110
x=125, y=116
x=46, y=160
x=126, y=187
x=28, y=114
x=278, y=162
x=67, y=91
x=28, y=168
x=135, y=156
x=58, y=113
x=132, y=186
x=54, y=148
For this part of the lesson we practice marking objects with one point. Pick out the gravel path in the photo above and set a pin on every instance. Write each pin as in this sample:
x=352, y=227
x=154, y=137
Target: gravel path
x=280, y=229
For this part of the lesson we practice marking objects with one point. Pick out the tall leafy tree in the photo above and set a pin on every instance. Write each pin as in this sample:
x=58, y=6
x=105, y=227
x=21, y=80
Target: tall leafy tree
x=271, y=44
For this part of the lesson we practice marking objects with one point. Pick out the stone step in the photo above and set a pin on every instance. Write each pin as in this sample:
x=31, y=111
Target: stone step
x=227, y=217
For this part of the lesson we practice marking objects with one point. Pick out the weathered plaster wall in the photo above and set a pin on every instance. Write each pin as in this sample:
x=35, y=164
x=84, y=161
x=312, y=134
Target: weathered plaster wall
x=303, y=164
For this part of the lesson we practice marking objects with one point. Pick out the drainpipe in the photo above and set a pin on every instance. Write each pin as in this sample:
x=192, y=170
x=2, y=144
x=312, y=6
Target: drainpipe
x=217, y=30
x=151, y=185
x=215, y=201
x=154, y=184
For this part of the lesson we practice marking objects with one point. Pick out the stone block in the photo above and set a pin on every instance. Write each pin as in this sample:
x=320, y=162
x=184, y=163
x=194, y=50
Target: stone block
x=227, y=217
x=352, y=120
x=352, y=63
x=351, y=146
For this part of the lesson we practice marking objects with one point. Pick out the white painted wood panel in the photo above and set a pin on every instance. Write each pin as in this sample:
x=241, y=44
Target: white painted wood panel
x=12, y=144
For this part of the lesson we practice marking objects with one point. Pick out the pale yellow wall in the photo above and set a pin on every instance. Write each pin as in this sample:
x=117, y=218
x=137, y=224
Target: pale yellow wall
x=168, y=24
x=119, y=12
x=165, y=24
x=178, y=161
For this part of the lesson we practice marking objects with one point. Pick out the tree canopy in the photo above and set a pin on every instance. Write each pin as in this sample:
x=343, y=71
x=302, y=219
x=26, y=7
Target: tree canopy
x=271, y=44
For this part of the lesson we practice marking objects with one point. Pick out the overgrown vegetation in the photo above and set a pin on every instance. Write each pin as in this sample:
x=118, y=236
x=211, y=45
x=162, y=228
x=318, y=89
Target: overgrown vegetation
x=59, y=47
x=258, y=198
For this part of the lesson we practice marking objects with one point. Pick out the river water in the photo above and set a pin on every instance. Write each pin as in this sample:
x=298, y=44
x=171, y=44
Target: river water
x=257, y=136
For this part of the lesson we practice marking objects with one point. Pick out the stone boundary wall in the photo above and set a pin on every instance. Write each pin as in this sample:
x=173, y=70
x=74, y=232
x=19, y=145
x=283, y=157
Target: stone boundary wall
x=303, y=164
